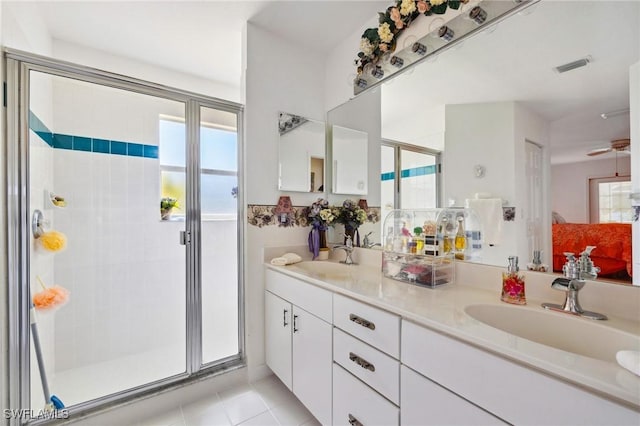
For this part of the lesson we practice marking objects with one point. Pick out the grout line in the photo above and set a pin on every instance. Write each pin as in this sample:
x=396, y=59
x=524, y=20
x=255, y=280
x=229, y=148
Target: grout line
x=184, y=419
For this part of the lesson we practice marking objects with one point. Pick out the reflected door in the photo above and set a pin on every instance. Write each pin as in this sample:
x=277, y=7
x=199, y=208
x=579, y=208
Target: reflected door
x=418, y=180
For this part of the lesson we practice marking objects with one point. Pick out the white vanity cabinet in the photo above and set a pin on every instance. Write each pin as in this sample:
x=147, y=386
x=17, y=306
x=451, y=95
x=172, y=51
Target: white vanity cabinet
x=298, y=340
x=512, y=392
x=351, y=363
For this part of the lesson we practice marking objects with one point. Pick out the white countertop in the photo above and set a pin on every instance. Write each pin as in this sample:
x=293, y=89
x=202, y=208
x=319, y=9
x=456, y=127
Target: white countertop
x=443, y=309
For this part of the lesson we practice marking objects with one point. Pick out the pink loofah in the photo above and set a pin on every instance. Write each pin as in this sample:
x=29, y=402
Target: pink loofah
x=51, y=297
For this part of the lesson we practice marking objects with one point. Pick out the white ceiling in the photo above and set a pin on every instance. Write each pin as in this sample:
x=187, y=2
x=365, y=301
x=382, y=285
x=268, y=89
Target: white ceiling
x=514, y=63
x=203, y=38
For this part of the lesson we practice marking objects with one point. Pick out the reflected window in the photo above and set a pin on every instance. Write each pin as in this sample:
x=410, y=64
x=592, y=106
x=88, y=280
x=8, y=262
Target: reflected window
x=218, y=162
x=610, y=200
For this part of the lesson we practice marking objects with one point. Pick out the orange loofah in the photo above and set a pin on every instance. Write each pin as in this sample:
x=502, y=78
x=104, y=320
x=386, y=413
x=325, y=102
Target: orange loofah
x=53, y=241
x=51, y=297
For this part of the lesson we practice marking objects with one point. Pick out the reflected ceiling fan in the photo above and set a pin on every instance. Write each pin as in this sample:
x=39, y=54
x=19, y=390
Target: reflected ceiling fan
x=617, y=145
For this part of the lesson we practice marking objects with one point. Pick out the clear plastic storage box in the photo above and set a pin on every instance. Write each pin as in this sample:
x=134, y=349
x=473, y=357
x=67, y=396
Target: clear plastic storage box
x=420, y=246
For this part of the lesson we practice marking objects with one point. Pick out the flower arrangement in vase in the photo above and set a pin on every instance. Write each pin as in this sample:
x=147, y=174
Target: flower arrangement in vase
x=351, y=216
x=320, y=216
x=167, y=204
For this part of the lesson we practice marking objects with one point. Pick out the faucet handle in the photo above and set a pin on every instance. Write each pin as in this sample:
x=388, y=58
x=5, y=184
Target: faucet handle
x=570, y=268
x=587, y=268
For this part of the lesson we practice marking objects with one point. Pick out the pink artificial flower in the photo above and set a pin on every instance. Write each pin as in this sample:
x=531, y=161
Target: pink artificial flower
x=383, y=47
x=422, y=6
x=394, y=14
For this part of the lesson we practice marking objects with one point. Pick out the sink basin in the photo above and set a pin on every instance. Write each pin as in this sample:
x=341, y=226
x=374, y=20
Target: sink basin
x=325, y=270
x=561, y=331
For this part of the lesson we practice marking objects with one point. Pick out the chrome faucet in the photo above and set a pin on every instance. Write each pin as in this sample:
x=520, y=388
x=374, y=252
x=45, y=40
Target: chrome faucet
x=348, y=249
x=367, y=243
x=575, y=273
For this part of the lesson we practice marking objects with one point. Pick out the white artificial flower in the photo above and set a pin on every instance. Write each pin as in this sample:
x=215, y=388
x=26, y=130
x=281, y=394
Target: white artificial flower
x=407, y=7
x=436, y=2
x=366, y=47
x=326, y=215
x=384, y=31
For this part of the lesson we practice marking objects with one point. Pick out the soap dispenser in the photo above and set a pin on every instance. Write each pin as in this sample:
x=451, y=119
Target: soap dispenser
x=513, y=284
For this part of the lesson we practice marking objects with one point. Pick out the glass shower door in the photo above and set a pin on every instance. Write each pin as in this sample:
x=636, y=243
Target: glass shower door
x=96, y=175
x=219, y=161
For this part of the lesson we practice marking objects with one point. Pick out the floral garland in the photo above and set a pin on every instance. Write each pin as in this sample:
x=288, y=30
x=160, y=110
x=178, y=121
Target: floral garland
x=377, y=41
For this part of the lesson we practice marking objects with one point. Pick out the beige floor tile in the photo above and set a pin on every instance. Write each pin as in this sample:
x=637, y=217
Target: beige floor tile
x=244, y=406
x=292, y=414
x=264, y=419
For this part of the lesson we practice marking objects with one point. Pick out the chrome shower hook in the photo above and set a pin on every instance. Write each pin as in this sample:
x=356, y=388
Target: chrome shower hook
x=37, y=224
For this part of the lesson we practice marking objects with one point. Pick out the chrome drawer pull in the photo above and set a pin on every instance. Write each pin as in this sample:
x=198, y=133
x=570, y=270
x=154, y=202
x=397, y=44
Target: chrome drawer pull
x=284, y=317
x=353, y=421
x=295, y=323
x=363, y=322
x=361, y=362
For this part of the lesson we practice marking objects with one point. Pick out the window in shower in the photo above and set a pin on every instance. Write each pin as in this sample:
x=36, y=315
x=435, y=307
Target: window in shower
x=151, y=302
x=218, y=164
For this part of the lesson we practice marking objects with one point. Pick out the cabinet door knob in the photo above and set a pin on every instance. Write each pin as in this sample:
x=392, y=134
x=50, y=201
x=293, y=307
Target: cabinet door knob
x=363, y=322
x=353, y=421
x=362, y=362
x=295, y=323
x=284, y=317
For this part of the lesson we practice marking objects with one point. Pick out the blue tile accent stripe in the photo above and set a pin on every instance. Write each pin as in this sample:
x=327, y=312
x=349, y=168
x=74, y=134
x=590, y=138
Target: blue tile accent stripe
x=407, y=173
x=387, y=176
x=40, y=129
x=87, y=144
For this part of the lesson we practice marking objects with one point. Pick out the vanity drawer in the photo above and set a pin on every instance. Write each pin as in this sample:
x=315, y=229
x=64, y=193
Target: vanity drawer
x=375, y=368
x=372, y=325
x=426, y=403
x=514, y=393
x=312, y=299
x=353, y=401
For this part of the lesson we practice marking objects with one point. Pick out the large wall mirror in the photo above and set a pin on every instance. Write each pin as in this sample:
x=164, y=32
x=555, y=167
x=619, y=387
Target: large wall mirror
x=501, y=102
x=301, y=152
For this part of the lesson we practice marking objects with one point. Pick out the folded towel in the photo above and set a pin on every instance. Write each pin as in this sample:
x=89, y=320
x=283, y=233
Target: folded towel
x=489, y=211
x=629, y=360
x=286, y=259
x=279, y=261
x=292, y=258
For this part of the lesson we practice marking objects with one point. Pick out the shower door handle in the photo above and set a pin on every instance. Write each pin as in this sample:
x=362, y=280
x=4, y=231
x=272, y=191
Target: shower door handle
x=185, y=238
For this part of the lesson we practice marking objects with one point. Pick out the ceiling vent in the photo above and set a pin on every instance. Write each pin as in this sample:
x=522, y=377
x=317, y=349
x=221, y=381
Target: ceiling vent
x=573, y=65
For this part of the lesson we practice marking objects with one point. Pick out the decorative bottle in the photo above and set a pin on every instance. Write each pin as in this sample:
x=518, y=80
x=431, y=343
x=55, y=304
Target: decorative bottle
x=460, y=241
x=446, y=240
x=513, y=284
x=419, y=239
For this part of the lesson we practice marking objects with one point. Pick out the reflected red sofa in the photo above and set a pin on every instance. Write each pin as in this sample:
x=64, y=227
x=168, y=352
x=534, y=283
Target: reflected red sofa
x=612, y=240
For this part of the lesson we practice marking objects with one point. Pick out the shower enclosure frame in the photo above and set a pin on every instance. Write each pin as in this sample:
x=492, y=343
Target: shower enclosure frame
x=18, y=66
